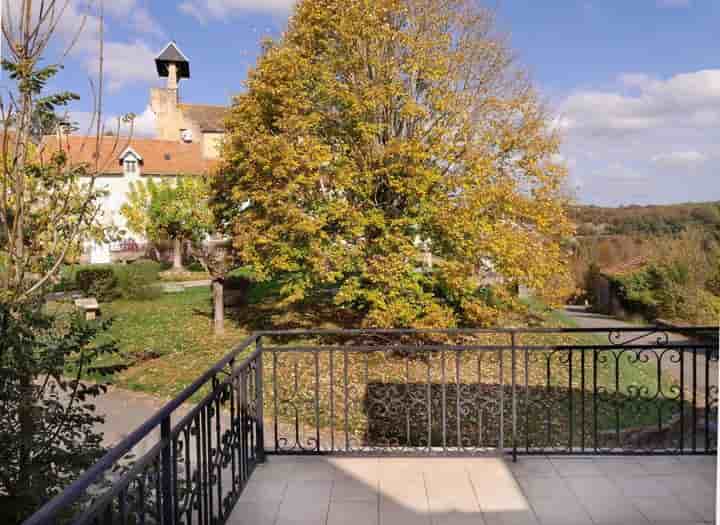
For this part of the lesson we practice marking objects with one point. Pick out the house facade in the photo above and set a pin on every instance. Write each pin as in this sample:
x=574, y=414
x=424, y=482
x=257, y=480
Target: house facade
x=187, y=144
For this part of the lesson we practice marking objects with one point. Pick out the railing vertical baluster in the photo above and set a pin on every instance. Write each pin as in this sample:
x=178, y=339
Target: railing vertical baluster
x=513, y=370
x=428, y=400
x=233, y=428
x=682, y=401
x=317, y=401
x=527, y=400
x=617, y=399
x=275, y=399
x=582, y=400
x=259, y=404
x=659, y=386
x=501, y=384
x=176, y=482
x=571, y=406
x=708, y=353
x=595, y=406
x=204, y=424
x=166, y=472
x=694, y=400
x=332, y=402
x=479, y=398
x=345, y=395
x=367, y=374
x=188, y=474
x=458, y=361
x=407, y=400
x=550, y=402
x=245, y=426
x=443, y=400
x=217, y=458
x=199, y=477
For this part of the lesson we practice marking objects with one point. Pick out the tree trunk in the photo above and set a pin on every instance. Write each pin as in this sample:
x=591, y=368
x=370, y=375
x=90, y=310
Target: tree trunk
x=177, y=254
x=218, y=307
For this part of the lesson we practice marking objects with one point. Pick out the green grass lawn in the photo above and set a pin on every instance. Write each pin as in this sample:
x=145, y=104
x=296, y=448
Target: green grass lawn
x=167, y=342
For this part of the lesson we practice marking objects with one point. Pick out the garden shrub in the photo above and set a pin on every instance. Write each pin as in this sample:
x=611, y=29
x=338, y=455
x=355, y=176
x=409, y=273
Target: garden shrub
x=137, y=280
x=667, y=290
x=131, y=281
x=99, y=282
x=143, y=271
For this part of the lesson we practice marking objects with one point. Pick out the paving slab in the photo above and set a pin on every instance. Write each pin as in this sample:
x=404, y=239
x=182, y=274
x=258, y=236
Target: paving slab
x=479, y=491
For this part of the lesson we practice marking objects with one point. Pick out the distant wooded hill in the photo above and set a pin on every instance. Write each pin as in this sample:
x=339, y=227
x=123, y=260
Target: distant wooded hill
x=646, y=220
x=660, y=261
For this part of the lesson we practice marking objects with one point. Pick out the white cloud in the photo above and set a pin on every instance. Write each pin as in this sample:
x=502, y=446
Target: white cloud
x=143, y=125
x=648, y=132
x=688, y=99
x=204, y=10
x=680, y=158
x=124, y=63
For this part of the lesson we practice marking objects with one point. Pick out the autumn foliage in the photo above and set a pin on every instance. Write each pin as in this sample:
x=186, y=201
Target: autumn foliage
x=377, y=131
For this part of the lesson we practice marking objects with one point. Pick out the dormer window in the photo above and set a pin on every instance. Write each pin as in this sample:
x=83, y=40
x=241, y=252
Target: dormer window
x=130, y=159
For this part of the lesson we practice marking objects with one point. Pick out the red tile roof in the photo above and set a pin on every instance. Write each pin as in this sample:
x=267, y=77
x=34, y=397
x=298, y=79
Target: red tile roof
x=159, y=157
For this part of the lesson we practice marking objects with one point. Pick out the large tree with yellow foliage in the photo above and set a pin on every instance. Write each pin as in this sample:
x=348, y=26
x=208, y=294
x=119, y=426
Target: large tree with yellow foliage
x=377, y=129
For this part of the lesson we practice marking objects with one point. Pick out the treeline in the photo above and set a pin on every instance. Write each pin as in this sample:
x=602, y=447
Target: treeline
x=652, y=220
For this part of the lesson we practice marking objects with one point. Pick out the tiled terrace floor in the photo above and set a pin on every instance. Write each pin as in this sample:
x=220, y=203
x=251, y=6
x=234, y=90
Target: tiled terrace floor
x=488, y=490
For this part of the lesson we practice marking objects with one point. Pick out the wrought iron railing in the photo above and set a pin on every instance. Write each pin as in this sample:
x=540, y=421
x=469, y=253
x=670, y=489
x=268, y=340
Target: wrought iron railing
x=200, y=457
x=634, y=390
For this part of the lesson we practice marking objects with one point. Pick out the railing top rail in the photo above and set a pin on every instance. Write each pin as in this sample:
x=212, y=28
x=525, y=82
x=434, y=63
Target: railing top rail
x=470, y=331
x=461, y=348
x=76, y=489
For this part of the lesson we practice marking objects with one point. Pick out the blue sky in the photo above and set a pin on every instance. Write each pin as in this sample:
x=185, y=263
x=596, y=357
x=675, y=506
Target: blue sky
x=634, y=85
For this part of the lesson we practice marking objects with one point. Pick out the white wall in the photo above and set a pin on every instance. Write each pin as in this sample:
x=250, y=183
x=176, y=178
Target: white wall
x=118, y=187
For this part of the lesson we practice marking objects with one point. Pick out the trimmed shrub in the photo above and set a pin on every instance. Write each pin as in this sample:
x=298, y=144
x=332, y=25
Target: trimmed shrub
x=143, y=271
x=131, y=280
x=99, y=282
x=136, y=280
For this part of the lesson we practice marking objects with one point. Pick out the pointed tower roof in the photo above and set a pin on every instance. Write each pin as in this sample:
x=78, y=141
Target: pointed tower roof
x=171, y=54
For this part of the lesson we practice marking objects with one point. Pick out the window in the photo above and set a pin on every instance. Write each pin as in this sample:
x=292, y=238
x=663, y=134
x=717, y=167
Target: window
x=130, y=166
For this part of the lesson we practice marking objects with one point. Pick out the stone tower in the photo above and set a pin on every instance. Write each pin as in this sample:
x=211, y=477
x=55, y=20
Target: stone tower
x=172, y=64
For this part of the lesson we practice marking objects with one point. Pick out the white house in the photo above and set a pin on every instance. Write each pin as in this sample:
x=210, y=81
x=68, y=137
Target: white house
x=189, y=136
